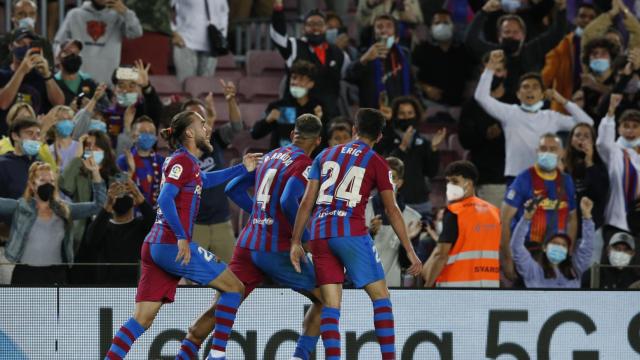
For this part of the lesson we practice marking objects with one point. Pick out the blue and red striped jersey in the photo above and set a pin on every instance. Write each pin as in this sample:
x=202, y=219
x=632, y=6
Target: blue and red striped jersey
x=268, y=228
x=181, y=170
x=348, y=174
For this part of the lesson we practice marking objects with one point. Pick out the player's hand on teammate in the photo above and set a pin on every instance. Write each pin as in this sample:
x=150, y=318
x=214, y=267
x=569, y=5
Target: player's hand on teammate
x=251, y=161
x=296, y=253
x=184, y=253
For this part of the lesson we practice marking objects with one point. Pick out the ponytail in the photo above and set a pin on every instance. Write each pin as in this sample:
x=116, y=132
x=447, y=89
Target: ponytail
x=174, y=134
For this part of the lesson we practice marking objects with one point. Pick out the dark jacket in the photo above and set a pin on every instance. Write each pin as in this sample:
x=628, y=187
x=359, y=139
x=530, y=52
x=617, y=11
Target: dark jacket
x=593, y=182
x=5, y=54
x=87, y=86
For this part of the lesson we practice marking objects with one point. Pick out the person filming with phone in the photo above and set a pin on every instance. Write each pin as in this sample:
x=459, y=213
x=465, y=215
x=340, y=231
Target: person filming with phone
x=28, y=78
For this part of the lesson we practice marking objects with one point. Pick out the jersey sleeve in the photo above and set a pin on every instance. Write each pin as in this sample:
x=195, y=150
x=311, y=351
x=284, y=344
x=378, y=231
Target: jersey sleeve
x=316, y=169
x=302, y=171
x=382, y=174
x=179, y=171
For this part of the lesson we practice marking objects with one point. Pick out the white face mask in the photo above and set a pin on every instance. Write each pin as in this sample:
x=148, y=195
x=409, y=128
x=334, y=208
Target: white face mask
x=454, y=192
x=619, y=258
x=438, y=227
x=297, y=91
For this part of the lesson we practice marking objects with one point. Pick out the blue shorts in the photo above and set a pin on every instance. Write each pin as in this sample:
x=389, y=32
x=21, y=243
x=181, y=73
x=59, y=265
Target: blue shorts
x=251, y=266
x=202, y=269
x=358, y=255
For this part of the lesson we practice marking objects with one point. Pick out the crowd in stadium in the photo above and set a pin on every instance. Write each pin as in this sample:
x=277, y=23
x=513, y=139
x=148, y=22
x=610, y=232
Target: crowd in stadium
x=541, y=96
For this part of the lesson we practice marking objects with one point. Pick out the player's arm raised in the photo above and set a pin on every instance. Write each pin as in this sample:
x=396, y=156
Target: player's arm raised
x=397, y=222
x=304, y=212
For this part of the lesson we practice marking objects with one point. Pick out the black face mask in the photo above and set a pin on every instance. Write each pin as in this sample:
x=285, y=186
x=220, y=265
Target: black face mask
x=510, y=46
x=405, y=123
x=71, y=63
x=316, y=39
x=96, y=5
x=496, y=82
x=122, y=205
x=45, y=191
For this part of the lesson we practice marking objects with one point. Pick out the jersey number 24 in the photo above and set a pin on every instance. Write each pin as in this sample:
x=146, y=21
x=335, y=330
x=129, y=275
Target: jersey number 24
x=347, y=190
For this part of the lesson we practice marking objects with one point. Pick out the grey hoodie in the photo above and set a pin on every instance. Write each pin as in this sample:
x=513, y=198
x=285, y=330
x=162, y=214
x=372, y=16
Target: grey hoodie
x=101, y=33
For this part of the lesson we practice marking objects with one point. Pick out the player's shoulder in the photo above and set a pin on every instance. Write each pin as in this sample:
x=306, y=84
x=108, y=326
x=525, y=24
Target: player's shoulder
x=179, y=163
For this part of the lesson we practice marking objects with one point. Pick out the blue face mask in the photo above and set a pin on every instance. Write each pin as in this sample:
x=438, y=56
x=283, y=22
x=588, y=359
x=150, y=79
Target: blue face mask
x=556, y=253
x=27, y=22
x=98, y=155
x=629, y=144
x=127, y=99
x=391, y=40
x=98, y=125
x=146, y=141
x=599, y=66
x=65, y=128
x=533, y=108
x=578, y=31
x=31, y=147
x=547, y=160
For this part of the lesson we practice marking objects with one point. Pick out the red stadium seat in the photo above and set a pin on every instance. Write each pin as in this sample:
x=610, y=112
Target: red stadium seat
x=166, y=85
x=264, y=63
x=265, y=89
x=202, y=85
x=151, y=47
x=252, y=113
x=454, y=145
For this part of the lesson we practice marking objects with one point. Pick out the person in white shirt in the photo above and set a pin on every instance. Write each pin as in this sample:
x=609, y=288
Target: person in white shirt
x=191, y=50
x=385, y=239
x=622, y=159
x=524, y=124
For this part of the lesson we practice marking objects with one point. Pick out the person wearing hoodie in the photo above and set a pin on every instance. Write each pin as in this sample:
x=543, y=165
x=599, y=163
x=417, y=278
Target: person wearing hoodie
x=100, y=25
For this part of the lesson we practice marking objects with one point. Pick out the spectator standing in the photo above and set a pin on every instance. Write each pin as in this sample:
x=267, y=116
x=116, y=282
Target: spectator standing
x=338, y=34
x=70, y=79
x=213, y=229
x=622, y=159
x=603, y=26
x=420, y=156
x=483, y=136
x=100, y=25
x=383, y=72
x=443, y=64
x=40, y=238
x=22, y=110
x=467, y=251
x=555, y=195
x=282, y=114
x=620, y=253
x=406, y=11
x=191, y=51
x=116, y=235
x=562, y=67
x=521, y=56
x=563, y=262
x=27, y=79
x=24, y=15
x=524, y=124
x=598, y=56
x=384, y=238
x=330, y=61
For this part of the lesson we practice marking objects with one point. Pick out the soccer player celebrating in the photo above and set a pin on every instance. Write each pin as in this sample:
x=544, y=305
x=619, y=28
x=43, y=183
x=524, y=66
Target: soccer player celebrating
x=340, y=182
x=168, y=252
x=263, y=245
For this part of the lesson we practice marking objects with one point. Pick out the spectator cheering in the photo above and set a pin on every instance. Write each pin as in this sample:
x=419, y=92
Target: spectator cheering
x=384, y=70
x=331, y=62
x=597, y=56
x=28, y=78
x=281, y=115
x=100, y=25
x=40, y=239
x=467, y=251
x=563, y=262
x=555, y=197
x=524, y=124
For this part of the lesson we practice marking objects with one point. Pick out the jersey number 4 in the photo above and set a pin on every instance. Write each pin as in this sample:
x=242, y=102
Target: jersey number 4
x=263, y=197
x=347, y=190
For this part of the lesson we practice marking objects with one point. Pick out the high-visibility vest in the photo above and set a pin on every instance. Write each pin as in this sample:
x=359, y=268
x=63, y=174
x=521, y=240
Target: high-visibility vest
x=474, y=258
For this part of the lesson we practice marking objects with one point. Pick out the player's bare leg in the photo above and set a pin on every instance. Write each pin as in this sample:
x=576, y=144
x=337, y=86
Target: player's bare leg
x=143, y=316
x=382, y=317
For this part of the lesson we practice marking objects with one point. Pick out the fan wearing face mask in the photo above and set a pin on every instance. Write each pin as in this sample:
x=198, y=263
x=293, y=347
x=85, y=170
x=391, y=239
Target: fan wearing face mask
x=116, y=235
x=24, y=15
x=384, y=69
x=523, y=124
x=562, y=263
x=622, y=158
x=446, y=85
x=70, y=78
x=466, y=254
x=40, y=238
x=620, y=253
x=598, y=78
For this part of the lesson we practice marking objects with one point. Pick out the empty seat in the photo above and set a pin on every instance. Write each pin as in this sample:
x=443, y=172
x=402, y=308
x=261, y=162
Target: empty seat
x=252, y=113
x=264, y=89
x=166, y=84
x=264, y=63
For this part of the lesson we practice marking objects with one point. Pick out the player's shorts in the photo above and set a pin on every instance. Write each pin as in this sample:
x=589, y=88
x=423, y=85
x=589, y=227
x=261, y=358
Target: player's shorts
x=161, y=273
x=251, y=266
x=358, y=255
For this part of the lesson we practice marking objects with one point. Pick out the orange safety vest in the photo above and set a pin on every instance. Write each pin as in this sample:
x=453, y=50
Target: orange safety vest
x=474, y=258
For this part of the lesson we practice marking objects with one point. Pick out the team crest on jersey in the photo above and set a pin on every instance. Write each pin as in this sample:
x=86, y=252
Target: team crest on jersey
x=305, y=173
x=176, y=171
x=511, y=194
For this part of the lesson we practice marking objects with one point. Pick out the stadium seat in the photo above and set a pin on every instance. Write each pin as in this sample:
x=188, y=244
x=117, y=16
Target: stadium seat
x=263, y=89
x=454, y=145
x=200, y=86
x=264, y=63
x=166, y=85
x=252, y=113
x=151, y=47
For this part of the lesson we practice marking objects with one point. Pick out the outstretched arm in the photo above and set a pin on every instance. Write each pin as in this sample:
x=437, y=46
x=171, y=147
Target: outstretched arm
x=237, y=188
x=214, y=178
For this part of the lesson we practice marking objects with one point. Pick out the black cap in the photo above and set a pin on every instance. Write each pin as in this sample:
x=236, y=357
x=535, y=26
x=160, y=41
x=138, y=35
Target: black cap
x=22, y=33
x=76, y=42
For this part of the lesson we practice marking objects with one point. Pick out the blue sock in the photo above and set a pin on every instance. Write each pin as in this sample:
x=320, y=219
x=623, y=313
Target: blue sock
x=306, y=345
x=329, y=320
x=384, y=325
x=128, y=333
x=225, y=314
x=188, y=350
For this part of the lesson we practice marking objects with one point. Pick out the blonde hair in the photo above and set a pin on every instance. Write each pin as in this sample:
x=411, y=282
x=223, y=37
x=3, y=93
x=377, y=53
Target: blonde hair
x=12, y=114
x=59, y=108
x=55, y=202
